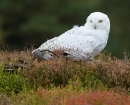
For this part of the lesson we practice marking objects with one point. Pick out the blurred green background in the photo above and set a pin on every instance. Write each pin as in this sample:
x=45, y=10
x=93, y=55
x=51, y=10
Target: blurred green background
x=32, y=22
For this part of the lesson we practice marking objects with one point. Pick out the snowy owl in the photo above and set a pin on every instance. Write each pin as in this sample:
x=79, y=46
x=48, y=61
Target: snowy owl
x=80, y=42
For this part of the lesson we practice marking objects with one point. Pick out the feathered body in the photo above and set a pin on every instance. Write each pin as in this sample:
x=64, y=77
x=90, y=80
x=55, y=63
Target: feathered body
x=88, y=40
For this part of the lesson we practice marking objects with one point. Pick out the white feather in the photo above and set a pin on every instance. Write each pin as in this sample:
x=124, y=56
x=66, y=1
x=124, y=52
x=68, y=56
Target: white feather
x=89, y=39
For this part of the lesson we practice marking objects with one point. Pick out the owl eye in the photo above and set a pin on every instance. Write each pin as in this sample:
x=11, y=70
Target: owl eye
x=100, y=21
x=91, y=21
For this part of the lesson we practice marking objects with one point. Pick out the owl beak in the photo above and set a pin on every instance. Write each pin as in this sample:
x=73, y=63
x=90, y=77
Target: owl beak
x=95, y=27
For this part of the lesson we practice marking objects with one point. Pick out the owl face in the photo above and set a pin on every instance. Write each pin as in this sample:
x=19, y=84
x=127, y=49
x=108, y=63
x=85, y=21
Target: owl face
x=98, y=21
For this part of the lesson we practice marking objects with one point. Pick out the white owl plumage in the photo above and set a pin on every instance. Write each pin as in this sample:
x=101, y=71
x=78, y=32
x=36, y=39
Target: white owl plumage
x=84, y=42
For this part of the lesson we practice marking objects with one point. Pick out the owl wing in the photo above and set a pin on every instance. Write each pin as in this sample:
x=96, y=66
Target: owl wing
x=87, y=45
x=52, y=43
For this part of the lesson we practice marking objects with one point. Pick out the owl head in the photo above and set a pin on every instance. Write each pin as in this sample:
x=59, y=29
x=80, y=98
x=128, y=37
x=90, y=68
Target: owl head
x=98, y=21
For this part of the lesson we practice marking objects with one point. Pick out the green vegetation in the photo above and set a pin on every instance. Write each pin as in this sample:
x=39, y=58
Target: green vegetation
x=61, y=82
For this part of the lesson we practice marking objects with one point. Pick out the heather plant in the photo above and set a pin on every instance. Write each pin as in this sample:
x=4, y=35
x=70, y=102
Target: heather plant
x=70, y=96
x=114, y=73
x=60, y=72
x=107, y=73
x=99, y=98
x=4, y=100
x=60, y=81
